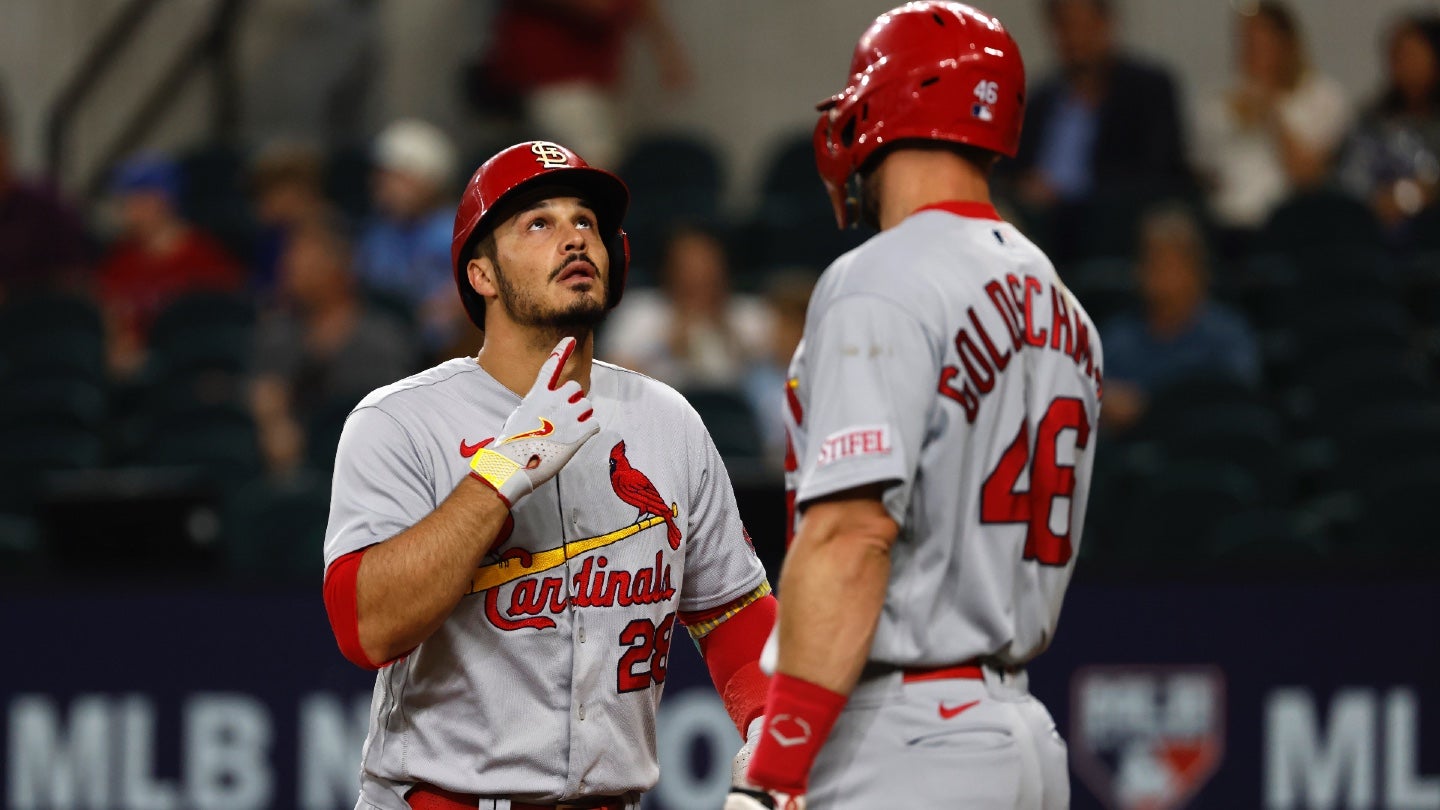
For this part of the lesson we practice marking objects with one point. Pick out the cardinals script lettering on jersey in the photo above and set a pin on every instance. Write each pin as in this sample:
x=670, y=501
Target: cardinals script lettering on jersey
x=595, y=587
x=984, y=355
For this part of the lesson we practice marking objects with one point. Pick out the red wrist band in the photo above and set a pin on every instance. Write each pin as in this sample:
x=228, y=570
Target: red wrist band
x=798, y=719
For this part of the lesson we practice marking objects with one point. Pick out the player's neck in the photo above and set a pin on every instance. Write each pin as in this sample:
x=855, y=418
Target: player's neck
x=910, y=179
x=513, y=355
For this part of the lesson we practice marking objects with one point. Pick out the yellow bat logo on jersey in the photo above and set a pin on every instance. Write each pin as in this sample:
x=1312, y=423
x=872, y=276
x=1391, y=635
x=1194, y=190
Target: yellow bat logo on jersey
x=508, y=570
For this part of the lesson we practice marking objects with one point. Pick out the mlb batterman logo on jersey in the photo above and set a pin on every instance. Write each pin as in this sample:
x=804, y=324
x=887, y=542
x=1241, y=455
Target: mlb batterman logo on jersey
x=1147, y=738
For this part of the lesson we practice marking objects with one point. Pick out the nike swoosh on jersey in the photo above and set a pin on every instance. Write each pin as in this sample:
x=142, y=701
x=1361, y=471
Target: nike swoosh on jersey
x=950, y=712
x=546, y=428
x=468, y=450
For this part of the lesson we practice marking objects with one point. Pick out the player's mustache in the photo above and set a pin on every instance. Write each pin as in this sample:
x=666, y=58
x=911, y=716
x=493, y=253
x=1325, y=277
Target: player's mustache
x=574, y=257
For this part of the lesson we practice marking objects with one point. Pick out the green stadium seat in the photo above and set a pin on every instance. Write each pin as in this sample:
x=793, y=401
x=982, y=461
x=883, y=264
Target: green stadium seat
x=275, y=530
x=730, y=420
x=1312, y=223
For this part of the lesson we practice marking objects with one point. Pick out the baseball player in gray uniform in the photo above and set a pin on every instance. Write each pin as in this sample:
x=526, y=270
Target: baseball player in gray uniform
x=942, y=412
x=514, y=537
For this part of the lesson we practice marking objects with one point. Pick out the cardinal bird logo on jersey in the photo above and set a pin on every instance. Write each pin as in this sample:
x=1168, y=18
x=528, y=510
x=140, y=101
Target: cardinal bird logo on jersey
x=634, y=487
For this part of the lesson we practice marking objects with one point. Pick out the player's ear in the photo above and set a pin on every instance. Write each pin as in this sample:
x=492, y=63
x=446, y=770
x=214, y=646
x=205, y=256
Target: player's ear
x=481, y=272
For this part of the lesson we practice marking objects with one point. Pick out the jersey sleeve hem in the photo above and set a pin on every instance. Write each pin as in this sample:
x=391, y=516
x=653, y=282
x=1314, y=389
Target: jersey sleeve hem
x=814, y=491
x=701, y=622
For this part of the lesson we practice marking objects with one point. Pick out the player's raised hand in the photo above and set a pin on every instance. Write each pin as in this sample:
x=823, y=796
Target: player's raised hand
x=541, y=434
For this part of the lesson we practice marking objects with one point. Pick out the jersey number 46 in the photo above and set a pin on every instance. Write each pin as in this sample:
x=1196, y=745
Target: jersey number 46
x=1049, y=479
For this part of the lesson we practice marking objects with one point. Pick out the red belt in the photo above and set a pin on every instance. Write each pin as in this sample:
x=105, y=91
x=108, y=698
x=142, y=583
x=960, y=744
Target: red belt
x=969, y=670
x=429, y=797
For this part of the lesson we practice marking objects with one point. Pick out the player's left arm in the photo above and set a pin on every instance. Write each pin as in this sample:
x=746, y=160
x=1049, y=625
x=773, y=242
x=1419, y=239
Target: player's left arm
x=731, y=638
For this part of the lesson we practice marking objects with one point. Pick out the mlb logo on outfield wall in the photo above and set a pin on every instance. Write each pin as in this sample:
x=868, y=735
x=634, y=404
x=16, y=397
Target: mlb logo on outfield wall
x=1146, y=737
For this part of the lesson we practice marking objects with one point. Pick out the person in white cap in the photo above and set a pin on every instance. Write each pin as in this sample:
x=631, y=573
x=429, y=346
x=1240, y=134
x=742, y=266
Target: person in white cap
x=405, y=246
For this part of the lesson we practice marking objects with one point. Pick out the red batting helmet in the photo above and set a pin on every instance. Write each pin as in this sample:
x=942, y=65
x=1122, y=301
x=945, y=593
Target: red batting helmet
x=533, y=165
x=930, y=70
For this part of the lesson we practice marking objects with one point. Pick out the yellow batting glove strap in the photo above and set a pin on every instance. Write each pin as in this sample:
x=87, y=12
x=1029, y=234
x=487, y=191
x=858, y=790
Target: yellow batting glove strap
x=494, y=467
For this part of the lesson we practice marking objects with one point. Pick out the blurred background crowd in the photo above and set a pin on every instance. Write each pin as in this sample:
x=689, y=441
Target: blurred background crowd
x=183, y=330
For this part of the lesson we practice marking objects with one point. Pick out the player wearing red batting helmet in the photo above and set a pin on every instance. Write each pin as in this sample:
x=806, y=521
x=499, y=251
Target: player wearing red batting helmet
x=940, y=412
x=505, y=182
x=521, y=638
x=931, y=71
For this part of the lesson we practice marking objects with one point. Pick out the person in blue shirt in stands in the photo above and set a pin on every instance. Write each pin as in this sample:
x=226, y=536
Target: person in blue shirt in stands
x=1180, y=333
x=404, y=248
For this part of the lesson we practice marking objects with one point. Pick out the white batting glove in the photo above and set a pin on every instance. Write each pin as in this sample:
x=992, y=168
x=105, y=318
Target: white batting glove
x=745, y=796
x=550, y=425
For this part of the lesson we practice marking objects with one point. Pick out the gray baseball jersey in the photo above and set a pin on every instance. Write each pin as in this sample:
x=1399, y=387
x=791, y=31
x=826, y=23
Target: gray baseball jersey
x=945, y=359
x=543, y=684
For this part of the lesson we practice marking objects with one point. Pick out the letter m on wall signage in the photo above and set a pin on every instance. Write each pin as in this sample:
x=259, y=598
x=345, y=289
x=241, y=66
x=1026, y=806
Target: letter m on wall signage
x=1147, y=737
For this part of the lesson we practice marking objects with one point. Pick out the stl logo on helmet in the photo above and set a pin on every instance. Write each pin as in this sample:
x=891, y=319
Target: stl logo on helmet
x=549, y=155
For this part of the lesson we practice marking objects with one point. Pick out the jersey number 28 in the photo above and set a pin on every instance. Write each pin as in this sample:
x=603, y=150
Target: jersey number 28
x=1049, y=479
x=645, y=642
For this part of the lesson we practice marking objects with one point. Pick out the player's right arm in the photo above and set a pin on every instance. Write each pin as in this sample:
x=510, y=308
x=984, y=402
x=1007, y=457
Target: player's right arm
x=398, y=568
x=408, y=585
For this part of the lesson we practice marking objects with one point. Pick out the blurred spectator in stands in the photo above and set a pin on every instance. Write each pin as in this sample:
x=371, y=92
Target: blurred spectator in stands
x=1277, y=130
x=1393, y=156
x=692, y=331
x=42, y=239
x=787, y=294
x=405, y=247
x=322, y=345
x=157, y=258
x=1180, y=333
x=559, y=62
x=287, y=185
x=1106, y=121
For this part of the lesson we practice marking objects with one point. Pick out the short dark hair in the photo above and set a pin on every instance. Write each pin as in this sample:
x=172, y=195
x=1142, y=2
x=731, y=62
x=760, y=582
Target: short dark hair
x=484, y=246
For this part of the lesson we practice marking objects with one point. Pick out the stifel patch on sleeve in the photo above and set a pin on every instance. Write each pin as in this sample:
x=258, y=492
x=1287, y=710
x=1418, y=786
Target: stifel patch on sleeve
x=865, y=440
